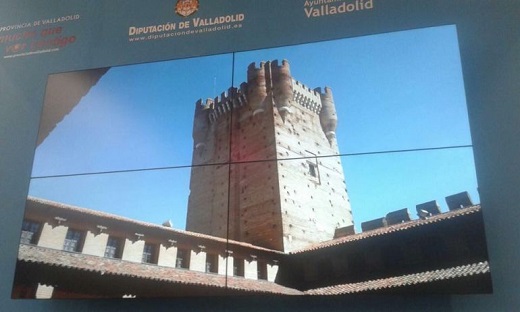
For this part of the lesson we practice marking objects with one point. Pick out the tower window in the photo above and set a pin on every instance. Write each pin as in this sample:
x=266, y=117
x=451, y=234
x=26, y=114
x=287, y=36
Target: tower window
x=312, y=170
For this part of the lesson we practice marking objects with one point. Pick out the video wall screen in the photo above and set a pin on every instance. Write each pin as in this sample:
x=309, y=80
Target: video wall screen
x=271, y=171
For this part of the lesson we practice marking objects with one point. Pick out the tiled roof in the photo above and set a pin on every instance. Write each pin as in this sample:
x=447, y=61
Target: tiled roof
x=317, y=246
x=107, y=266
x=405, y=280
x=114, y=267
x=70, y=208
x=390, y=229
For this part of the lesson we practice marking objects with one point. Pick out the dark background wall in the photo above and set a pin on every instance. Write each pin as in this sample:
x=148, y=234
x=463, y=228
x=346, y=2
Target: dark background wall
x=490, y=49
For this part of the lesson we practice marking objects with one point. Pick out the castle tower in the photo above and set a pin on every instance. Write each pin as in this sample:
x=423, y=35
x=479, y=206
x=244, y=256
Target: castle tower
x=258, y=174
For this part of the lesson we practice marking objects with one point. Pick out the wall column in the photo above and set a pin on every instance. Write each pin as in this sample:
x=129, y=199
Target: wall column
x=52, y=237
x=167, y=256
x=133, y=251
x=272, y=270
x=95, y=245
x=44, y=292
x=250, y=269
x=198, y=261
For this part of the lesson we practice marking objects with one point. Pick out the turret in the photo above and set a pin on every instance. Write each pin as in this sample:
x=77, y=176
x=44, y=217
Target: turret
x=256, y=88
x=328, y=117
x=282, y=87
x=201, y=124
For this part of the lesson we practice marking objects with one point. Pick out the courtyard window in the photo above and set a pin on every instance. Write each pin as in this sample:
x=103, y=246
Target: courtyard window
x=30, y=232
x=211, y=263
x=149, y=254
x=73, y=241
x=262, y=270
x=114, y=248
x=183, y=259
x=238, y=267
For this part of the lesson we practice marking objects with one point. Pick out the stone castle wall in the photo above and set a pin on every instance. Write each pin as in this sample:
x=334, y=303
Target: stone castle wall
x=312, y=188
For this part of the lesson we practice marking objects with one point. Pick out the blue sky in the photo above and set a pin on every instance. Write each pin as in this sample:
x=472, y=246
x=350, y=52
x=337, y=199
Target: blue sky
x=392, y=91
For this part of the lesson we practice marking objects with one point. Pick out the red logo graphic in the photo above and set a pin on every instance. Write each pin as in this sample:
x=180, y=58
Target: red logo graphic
x=186, y=7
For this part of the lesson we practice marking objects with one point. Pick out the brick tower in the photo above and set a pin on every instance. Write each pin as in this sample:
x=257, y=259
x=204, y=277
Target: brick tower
x=258, y=163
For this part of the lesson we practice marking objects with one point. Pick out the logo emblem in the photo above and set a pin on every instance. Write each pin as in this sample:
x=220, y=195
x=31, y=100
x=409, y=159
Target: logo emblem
x=186, y=7
x=17, y=47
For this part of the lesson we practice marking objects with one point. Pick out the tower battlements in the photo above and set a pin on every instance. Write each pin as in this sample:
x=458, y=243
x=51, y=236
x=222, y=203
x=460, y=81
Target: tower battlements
x=223, y=104
x=252, y=70
x=233, y=98
x=271, y=84
x=306, y=97
x=283, y=66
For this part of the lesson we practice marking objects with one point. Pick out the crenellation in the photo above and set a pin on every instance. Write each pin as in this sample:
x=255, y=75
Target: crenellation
x=306, y=97
x=228, y=101
x=276, y=64
x=252, y=68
